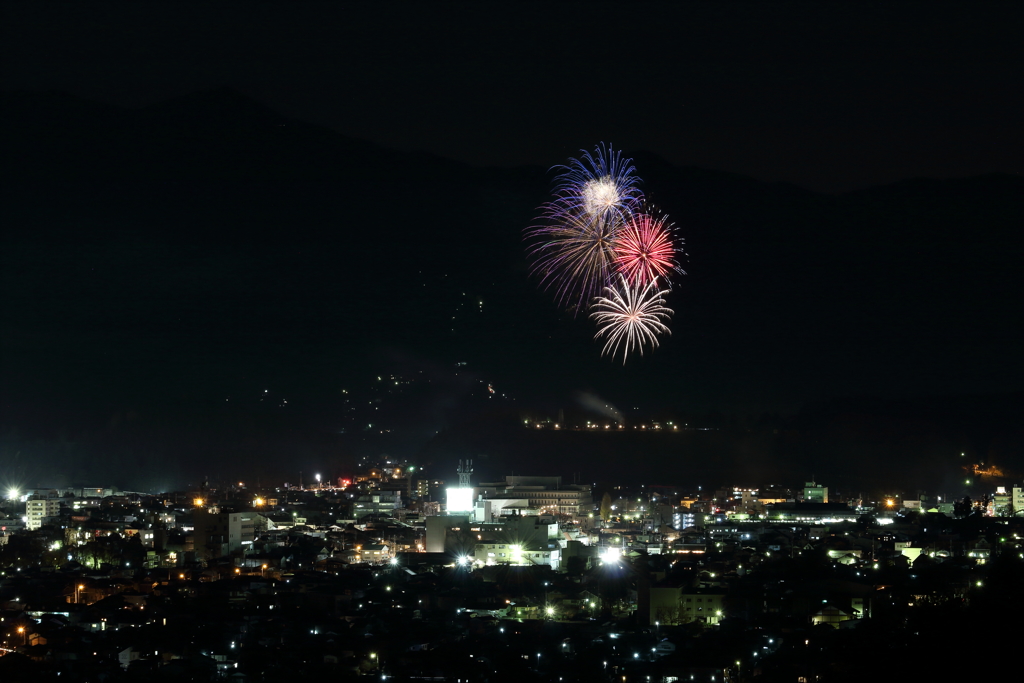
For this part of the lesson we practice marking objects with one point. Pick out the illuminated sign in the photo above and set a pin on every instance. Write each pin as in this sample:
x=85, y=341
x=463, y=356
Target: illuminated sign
x=460, y=500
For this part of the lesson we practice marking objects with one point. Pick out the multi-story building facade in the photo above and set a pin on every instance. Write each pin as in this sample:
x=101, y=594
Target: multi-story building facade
x=218, y=534
x=39, y=511
x=376, y=502
x=546, y=495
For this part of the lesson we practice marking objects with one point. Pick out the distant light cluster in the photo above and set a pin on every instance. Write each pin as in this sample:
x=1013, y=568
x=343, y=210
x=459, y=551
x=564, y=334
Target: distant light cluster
x=599, y=246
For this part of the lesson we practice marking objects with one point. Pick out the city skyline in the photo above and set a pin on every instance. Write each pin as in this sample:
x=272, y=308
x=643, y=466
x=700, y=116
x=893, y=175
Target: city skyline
x=605, y=342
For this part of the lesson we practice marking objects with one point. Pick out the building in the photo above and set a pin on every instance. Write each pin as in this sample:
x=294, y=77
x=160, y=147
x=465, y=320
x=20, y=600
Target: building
x=377, y=503
x=39, y=511
x=439, y=528
x=814, y=493
x=218, y=534
x=542, y=495
x=812, y=513
x=702, y=604
x=514, y=539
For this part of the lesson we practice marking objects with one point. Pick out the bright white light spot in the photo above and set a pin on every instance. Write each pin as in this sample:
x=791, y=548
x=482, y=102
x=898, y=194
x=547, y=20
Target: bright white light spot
x=599, y=195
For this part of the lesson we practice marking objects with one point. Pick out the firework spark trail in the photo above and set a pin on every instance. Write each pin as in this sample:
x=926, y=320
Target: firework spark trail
x=644, y=250
x=630, y=317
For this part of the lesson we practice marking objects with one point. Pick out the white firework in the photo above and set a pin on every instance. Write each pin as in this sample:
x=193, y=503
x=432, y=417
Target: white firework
x=630, y=317
x=600, y=196
x=597, y=185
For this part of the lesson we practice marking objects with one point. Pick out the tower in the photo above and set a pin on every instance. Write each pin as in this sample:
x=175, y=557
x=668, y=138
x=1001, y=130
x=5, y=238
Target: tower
x=464, y=471
x=460, y=498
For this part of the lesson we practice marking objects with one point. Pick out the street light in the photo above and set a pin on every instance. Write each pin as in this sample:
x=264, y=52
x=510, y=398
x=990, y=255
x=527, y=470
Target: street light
x=78, y=593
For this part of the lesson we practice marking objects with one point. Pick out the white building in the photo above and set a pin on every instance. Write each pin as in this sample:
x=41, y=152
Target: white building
x=39, y=511
x=545, y=495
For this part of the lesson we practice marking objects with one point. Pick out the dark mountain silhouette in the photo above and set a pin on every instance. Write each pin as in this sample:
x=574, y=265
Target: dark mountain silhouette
x=159, y=263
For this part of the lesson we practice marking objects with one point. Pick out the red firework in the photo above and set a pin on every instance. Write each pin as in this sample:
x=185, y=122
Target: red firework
x=644, y=249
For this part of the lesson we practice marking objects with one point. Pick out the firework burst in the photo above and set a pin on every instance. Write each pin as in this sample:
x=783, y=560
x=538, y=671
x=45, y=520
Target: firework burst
x=598, y=185
x=575, y=256
x=630, y=317
x=644, y=249
x=573, y=247
x=596, y=235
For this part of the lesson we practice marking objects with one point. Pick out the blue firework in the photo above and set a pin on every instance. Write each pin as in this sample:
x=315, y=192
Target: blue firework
x=602, y=184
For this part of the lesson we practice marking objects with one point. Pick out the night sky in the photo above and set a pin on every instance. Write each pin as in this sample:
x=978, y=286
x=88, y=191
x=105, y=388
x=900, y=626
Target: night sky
x=830, y=96
x=223, y=224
